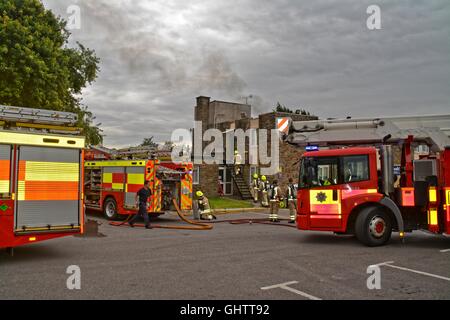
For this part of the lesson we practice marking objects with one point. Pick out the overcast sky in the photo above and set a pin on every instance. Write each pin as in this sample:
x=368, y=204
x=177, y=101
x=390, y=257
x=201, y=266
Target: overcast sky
x=158, y=55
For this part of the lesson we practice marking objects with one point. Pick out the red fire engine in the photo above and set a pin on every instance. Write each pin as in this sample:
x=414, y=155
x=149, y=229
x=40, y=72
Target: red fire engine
x=41, y=164
x=111, y=186
x=356, y=190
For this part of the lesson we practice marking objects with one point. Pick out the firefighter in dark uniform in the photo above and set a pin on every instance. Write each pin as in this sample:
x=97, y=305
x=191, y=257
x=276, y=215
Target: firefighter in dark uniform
x=142, y=196
x=291, y=195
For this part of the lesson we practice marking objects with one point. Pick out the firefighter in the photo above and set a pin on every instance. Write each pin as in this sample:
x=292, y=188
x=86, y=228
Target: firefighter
x=203, y=206
x=237, y=163
x=275, y=197
x=141, y=198
x=255, y=187
x=291, y=195
x=263, y=189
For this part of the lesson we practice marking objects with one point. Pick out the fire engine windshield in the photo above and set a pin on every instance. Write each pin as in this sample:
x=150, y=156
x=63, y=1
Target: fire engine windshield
x=319, y=171
x=327, y=171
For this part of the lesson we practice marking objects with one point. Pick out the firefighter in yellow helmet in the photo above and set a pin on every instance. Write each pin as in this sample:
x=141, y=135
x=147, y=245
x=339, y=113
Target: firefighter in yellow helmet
x=255, y=187
x=263, y=188
x=203, y=206
x=275, y=197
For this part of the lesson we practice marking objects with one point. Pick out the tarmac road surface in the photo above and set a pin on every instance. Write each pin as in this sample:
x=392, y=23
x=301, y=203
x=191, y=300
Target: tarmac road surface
x=247, y=261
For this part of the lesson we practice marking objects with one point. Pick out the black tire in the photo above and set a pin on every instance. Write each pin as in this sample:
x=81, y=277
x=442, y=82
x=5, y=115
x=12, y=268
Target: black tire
x=373, y=227
x=110, y=209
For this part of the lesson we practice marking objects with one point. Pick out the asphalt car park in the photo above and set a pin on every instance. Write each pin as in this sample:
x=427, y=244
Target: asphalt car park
x=245, y=261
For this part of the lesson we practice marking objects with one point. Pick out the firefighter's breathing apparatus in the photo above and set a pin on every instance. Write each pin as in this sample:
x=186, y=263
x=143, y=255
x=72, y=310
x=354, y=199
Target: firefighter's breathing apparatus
x=202, y=226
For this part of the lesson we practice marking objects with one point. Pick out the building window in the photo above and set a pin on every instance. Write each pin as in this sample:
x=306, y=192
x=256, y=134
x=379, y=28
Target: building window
x=226, y=181
x=196, y=175
x=253, y=170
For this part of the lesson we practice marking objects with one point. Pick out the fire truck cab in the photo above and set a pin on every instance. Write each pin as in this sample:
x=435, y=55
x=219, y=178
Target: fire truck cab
x=347, y=188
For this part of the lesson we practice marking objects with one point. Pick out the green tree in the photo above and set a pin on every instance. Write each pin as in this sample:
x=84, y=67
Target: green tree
x=38, y=69
x=148, y=142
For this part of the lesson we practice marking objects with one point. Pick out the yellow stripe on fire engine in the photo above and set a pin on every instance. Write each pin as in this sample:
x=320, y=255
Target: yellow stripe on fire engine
x=432, y=194
x=135, y=178
x=107, y=178
x=41, y=140
x=448, y=197
x=21, y=190
x=4, y=186
x=432, y=217
x=117, y=186
x=322, y=197
x=117, y=163
x=51, y=171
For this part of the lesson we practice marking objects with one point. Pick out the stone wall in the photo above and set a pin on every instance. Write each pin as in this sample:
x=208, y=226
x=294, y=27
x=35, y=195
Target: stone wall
x=208, y=183
x=288, y=155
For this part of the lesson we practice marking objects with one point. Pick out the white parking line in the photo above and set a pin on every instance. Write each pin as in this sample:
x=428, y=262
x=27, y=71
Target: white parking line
x=285, y=286
x=446, y=250
x=389, y=264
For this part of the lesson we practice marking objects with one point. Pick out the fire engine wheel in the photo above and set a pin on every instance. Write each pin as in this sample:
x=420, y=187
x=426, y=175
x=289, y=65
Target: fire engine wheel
x=373, y=227
x=110, y=209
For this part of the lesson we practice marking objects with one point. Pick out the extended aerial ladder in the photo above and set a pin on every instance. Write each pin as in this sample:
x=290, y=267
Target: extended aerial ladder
x=333, y=198
x=431, y=130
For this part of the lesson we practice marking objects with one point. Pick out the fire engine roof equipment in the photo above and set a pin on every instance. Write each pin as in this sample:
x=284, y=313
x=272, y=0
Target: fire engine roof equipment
x=433, y=130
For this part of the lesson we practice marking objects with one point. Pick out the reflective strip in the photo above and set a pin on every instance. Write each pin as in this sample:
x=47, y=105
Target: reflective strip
x=47, y=190
x=51, y=171
x=323, y=197
x=4, y=169
x=117, y=186
x=408, y=197
x=350, y=193
x=107, y=177
x=186, y=193
x=157, y=196
x=447, y=196
x=432, y=195
x=4, y=186
x=41, y=140
x=118, y=163
x=135, y=178
x=325, y=216
x=325, y=208
x=432, y=217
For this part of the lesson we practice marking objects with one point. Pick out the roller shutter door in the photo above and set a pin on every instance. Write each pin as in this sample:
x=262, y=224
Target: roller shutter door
x=135, y=181
x=48, y=189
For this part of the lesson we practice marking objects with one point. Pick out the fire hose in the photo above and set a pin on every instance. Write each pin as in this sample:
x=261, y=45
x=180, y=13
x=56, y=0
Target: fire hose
x=195, y=225
x=204, y=226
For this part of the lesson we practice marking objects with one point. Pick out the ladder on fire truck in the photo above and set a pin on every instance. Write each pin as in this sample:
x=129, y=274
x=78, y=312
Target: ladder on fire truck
x=38, y=120
x=432, y=130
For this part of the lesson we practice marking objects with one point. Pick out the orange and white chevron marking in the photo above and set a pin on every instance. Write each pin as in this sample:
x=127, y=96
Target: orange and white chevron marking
x=283, y=124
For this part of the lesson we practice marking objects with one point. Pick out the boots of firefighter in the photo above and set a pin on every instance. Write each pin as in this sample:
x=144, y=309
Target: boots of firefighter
x=264, y=199
x=274, y=205
x=275, y=211
x=207, y=215
x=292, y=210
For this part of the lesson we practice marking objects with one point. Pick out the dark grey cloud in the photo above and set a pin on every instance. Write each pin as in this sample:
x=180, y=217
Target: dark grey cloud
x=157, y=56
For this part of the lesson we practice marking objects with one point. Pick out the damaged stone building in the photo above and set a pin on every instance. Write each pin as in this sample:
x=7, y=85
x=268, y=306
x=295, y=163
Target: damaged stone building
x=214, y=179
